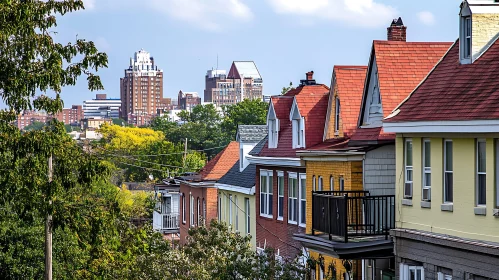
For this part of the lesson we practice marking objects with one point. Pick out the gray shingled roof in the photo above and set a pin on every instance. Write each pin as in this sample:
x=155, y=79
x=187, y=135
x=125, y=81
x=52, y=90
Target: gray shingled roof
x=251, y=133
x=258, y=148
x=245, y=179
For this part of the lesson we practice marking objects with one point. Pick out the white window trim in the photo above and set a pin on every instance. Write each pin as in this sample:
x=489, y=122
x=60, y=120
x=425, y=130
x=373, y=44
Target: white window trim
x=331, y=183
x=270, y=176
x=183, y=209
x=300, y=199
x=445, y=171
x=280, y=174
x=320, y=183
x=426, y=169
x=199, y=215
x=273, y=133
x=293, y=175
x=298, y=129
x=463, y=36
x=191, y=208
x=408, y=168
x=405, y=271
x=442, y=276
x=314, y=187
x=480, y=173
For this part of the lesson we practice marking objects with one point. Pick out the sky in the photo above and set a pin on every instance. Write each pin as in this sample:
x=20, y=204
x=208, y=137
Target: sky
x=285, y=38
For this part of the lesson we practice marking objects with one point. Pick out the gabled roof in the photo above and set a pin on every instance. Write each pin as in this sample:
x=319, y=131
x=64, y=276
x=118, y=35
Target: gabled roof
x=311, y=101
x=349, y=85
x=221, y=163
x=244, y=68
x=234, y=177
x=454, y=91
x=251, y=133
x=401, y=67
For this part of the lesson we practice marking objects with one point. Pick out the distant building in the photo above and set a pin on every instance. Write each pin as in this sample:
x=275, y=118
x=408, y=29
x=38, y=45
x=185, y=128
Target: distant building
x=188, y=100
x=141, y=88
x=71, y=115
x=242, y=82
x=29, y=117
x=94, y=123
x=102, y=106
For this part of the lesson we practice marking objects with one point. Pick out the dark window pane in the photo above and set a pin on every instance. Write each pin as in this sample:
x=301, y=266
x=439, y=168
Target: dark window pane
x=281, y=206
x=262, y=203
x=448, y=187
x=481, y=156
x=482, y=189
x=408, y=153
x=270, y=204
x=427, y=154
x=303, y=210
x=448, y=156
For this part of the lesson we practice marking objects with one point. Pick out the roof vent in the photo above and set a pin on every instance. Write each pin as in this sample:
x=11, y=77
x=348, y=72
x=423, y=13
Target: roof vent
x=310, y=79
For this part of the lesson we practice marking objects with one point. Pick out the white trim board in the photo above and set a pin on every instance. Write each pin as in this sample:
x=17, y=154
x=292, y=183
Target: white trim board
x=232, y=188
x=473, y=126
x=276, y=161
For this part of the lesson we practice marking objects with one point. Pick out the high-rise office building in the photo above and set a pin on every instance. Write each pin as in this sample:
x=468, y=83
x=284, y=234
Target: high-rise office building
x=141, y=89
x=102, y=106
x=242, y=82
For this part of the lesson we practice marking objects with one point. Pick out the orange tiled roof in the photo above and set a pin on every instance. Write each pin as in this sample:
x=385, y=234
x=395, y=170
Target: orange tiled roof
x=350, y=85
x=402, y=66
x=221, y=163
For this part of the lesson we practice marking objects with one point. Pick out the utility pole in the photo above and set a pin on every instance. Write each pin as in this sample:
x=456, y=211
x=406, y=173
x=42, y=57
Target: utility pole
x=48, y=230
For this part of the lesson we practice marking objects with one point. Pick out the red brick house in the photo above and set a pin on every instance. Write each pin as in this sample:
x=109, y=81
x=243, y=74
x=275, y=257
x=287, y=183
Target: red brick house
x=295, y=121
x=198, y=193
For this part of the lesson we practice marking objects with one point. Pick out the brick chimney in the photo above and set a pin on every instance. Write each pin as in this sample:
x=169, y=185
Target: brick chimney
x=397, y=31
x=310, y=75
x=310, y=79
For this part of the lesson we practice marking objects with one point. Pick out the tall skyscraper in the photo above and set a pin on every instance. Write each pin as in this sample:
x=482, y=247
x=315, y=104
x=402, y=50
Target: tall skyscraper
x=141, y=89
x=243, y=82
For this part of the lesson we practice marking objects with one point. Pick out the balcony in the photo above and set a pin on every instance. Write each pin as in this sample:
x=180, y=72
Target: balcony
x=348, y=215
x=166, y=223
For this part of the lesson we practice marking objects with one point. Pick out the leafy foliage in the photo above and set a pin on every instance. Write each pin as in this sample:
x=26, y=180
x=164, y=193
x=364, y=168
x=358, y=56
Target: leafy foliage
x=34, y=126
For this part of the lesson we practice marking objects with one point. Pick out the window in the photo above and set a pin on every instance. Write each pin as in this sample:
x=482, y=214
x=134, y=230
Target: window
x=497, y=172
x=292, y=198
x=408, y=168
x=342, y=184
x=320, y=184
x=298, y=126
x=183, y=208
x=411, y=272
x=303, y=198
x=481, y=172
x=237, y=212
x=199, y=212
x=280, y=190
x=230, y=209
x=337, y=116
x=313, y=184
x=466, y=37
x=220, y=207
x=426, y=170
x=192, y=211
x=247, y=210
x=331, y=183
x=266, y=193
x=241, y=161
x=204, y=212
x=443, y=276
x=273, y=132
x=448, y=176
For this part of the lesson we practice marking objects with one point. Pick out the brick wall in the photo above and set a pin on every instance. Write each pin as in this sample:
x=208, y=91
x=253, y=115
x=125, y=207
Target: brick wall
x=277, y=231
x=484, y=28
x=206, y=194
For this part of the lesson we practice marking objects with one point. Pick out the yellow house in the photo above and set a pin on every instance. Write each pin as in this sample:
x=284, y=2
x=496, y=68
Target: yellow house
x=447, y=198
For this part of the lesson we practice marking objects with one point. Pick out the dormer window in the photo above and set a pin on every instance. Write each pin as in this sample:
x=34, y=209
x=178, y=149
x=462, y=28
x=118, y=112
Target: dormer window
x=273, y=133
x=465, y=35
x=298, y=132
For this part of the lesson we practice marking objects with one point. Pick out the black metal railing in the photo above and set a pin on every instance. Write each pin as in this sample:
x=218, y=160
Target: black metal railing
x=352, y=214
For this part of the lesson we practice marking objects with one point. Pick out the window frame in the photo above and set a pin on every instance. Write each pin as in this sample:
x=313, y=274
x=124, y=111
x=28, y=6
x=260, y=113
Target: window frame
x=337, y=116
x=426, y=169
x=408, y=169
x=199, y=208
x=314, y=185
x=267, y=194
x=248, y=217
x=191, y=208
x=292, y=205
x=331, y=183
x=466, y=42
x=280, y=198
x=478, y=172
x=220, y=206
x=302, y=197
x=405, y=270
x=183, y=209
x=320, y=184
x=445, y=171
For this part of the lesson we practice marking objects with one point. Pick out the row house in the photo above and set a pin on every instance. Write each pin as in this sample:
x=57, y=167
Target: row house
x=447, y=218
x=351, y=173
x=236, y=189
x=166, y=214
x=295, y=121
x=199, y=193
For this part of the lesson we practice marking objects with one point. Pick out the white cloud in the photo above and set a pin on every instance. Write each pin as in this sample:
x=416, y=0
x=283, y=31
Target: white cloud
x=89, y=4
x=426, y=17
x=365, y=13
x=207, y=14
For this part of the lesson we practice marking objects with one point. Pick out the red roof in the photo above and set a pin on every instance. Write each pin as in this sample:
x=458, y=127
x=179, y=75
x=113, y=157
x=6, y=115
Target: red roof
x=454, y=91
x=350, y=85
x=312, y=103
x=221, y=163
x=401, y=67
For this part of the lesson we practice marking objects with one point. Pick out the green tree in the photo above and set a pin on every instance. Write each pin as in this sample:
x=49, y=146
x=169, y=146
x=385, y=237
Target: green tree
x=244, y=113
x=34, y=126
x=286, y=89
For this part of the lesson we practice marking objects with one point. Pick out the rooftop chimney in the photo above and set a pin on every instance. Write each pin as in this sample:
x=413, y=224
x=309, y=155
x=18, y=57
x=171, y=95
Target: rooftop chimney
x=397, y=31
x=310, y=79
